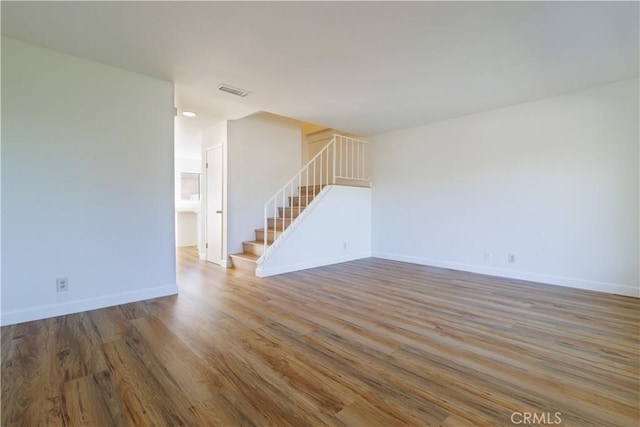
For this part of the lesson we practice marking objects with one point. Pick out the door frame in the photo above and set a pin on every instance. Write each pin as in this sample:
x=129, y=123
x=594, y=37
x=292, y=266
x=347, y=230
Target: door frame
x=224, y=262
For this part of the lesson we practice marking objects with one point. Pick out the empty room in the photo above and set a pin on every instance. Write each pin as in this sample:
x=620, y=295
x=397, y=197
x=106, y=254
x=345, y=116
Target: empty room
x=320, y=213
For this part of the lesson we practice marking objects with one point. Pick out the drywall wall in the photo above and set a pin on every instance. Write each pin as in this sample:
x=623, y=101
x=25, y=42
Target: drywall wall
x=188, y=144
x=264, y=152
x=187, y=228
x=87, y=184
x=553, y=182
x=336, y=227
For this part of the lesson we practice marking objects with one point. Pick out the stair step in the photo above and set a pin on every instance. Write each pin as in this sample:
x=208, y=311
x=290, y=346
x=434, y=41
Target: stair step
x=272, y=235
x=280, y=223
x=302, y=200
x=253, y=247
x=289, y=213
x=310, y=189
x=245, y=262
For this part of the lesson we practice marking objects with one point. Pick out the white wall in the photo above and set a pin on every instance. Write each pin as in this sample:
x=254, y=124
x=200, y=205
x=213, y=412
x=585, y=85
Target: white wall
x=188, y=219
x=187, y=228
x=335, y=227
x=264, y=152
x=87, y=184
x=188, y=158
x=188, y=145
x=554, y=182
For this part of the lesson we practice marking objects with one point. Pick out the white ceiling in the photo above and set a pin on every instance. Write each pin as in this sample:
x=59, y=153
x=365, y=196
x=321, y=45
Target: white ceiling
x=362, y=67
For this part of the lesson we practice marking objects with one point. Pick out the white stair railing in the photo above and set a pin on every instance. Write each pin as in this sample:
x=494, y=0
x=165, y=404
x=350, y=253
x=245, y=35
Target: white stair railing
x=343, y=160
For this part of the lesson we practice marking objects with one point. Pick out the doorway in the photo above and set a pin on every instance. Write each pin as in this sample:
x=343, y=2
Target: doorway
x=214, y=205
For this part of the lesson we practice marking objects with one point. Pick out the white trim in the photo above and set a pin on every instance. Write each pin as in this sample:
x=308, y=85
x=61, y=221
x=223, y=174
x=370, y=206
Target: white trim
x=262, y=272
x=53, y=310
x=202, y=256
x=570, y=282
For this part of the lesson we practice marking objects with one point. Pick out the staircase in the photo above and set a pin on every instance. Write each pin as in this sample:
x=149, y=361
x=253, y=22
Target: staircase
x=254, y=249
x=341, y=162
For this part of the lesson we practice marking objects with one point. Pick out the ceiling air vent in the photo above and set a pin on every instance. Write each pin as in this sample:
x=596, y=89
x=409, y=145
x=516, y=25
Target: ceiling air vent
x=233, y=90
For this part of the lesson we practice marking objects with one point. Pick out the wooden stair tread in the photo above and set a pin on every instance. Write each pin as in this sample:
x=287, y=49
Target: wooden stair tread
x=245, y=262
x=270, y=230
x=255, y=242
x=246, y=256
x=310, y=189
x=279, y=228
x=278, y=222
x=271, y=234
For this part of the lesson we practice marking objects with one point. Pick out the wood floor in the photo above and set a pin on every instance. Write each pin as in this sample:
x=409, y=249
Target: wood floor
x=365, y=343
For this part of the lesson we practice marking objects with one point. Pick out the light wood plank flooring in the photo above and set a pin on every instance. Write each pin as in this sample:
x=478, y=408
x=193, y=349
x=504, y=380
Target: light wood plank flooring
x=365, y=343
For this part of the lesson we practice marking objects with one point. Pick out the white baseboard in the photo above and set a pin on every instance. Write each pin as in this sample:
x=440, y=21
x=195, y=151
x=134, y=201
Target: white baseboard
x=224, y=263
x=70, y=307
x=611, y=288
x=261, y=271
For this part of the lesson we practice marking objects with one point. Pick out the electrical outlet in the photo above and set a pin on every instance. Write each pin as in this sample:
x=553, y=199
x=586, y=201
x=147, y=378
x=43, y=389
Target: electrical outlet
x=344, y=245
x=511, y=258
x=487, y=256
x=62, y=284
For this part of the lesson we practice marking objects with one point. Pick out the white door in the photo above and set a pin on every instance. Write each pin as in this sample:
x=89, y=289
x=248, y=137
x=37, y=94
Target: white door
x=214, y=205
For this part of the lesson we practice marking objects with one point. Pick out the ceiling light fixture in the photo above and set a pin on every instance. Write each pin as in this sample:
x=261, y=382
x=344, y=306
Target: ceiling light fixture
x=189, y=114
